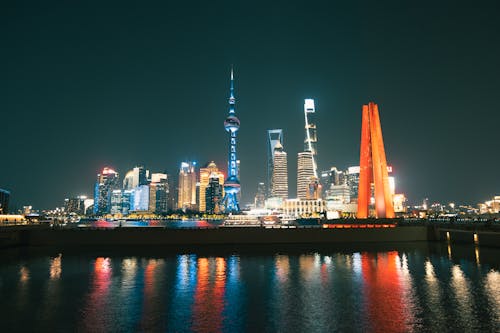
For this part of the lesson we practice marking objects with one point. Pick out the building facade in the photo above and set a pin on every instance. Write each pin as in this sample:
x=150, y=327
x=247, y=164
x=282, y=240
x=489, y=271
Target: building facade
x=305, y=173
x=4, y=201
x=279, y=178
x=260, y=196
x=274, y=137
x=75, y=205
x=206, y=174
x=159, y=192
x=187, y=186
x=107, y=181
x=213, y=194
x=135, y=177
x=303, y=208
x=311, y=138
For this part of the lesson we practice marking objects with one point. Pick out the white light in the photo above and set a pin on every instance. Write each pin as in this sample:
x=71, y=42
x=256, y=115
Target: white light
x=309, y=105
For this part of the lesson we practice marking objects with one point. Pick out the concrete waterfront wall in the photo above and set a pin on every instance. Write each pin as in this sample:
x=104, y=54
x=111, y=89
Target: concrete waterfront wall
x=483, y=238
x=221, y=236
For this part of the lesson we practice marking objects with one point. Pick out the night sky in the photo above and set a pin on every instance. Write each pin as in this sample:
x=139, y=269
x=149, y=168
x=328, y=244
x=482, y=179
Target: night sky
x=88, y=84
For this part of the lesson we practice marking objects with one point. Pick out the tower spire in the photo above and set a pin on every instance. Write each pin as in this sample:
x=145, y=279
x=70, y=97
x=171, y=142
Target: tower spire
x=232, y=100
x=232, y=183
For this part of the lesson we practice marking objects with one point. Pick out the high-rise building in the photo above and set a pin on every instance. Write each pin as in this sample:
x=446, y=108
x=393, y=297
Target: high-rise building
x=4, y=201
x=107, y=181
x=140, y=198
x=213, y=193
x=232, y=183
x=260, y=197
x=332, y=177
x=373, y=167
x=305, y=173
x=121, y=202
x=75, y=205
x=187, y=186
x=353, y=182
x=159, y=192
x=280, y=173
x=206, y=173
x=311, y=139
x=274, y=136
x=339, y=193
x=314, y=189
x=135, y=177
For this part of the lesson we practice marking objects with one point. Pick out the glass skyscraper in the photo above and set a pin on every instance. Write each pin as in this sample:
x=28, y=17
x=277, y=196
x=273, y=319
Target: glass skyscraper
x=274, y=137
x=107, y=181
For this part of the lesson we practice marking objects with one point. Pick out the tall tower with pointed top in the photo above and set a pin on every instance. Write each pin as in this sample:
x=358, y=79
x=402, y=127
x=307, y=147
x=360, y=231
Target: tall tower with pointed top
x=232, y=183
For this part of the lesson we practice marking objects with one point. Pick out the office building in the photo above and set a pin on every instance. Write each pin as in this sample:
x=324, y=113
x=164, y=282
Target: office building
x=75, y=205
x=121, y=202
x=279, y=178
x=274, y=137
x=187, y=186
x=260, y=197
x=206, y=173
x=311, y=138
x=140, y=198
x=107, y=181
x=213, y=193
x=135, y=177
x=159, y=192
x=305, y=173
x=4, y=201
x=353, y=182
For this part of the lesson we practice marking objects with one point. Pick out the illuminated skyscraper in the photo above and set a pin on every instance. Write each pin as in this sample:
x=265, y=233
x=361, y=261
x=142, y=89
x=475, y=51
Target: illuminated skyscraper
x=140, y=198
x=75, y=205
x=311, y=139
x=121, y=201
x=213, y=193
x=4, y=201
x=280, y=173
x=353, y=182
x=135, y=177
x=274, y=136
x=187, y=186
x=260, y=197
x=206, y=174
x=159, y=192
x=232, y=183
x=373, y=167
x=107, y=181
x=305, y=173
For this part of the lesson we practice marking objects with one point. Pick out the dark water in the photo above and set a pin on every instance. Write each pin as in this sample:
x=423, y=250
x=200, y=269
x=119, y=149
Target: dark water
x=397, y=288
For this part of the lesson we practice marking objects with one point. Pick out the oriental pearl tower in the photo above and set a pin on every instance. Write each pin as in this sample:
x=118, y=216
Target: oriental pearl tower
x=232, y=183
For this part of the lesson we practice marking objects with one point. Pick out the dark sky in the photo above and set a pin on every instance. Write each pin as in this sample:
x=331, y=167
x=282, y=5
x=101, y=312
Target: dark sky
x=88, y=84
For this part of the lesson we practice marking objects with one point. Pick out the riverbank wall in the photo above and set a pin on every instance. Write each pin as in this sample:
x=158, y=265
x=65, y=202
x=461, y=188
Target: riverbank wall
x=27, y=236
x=45, y=236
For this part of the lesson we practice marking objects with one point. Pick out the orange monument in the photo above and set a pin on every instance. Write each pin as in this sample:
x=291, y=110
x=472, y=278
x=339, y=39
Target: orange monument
x=373, y=167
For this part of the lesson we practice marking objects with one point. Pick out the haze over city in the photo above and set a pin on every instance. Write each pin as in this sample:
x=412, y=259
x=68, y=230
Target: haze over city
x=86, y=86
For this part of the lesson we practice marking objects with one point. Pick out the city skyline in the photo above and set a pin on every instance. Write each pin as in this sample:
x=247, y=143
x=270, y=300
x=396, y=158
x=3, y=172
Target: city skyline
x=121, y=99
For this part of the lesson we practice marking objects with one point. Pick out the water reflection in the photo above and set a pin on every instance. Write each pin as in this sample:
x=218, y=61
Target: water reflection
x=55, y=267
x=24, y=275
x=209, y=295
x=461, y=291
x=492, y=286
x=96, y=313
x=151, y=313
x=377, y=291
x=383, y=292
